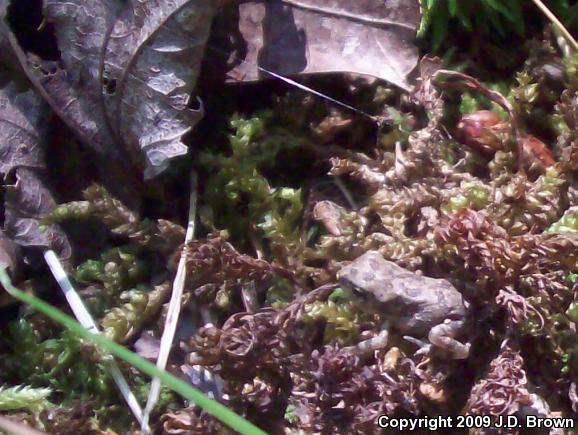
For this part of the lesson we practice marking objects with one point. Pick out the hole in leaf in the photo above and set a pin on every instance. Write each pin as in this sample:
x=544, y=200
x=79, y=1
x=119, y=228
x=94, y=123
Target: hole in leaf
x=109, y=86
x=195, y=103
x=33, y=33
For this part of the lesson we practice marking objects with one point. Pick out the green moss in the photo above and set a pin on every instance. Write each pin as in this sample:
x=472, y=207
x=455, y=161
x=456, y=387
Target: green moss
x=524, y=95
x=63, y=364
x=401, y=128
x=24, y=397
x=72, y=369
x=572, y=312
x=484, y=17
x=474, y=194
x=239, y=195
x=571, y=64
x=140, y=306
x=342, y=322
x=567, y=223
x=280, y=293
x=118, y=269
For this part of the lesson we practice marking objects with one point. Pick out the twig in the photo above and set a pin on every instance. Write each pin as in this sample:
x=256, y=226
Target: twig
x=174, y=309
x=85, y=319
x=557, y=24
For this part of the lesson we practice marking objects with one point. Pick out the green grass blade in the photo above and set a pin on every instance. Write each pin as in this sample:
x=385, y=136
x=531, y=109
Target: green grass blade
x=498, y=6
x=463, y=13
x=515, y=7
x=511, y=10
x=453, y=7
x=85, y=319
x=213, y=407
x=426, y=12
x=439, y=27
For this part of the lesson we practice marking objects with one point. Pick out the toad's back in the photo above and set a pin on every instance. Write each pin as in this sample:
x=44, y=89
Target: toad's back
x=410, y=302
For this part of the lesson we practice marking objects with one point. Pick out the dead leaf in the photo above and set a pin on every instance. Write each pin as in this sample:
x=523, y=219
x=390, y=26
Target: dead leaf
x=60, y=91
x=126, y=73
x=28, y=200
x=20, y=115
x=288, y=37
x=72, y=85
x=147, y=346
x=151, y=64
x=7, y=59
x=9, y=255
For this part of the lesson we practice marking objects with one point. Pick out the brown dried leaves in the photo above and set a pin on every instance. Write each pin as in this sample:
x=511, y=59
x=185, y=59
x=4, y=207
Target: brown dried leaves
x=28, y=200
x=291, y=37
x=126, y=74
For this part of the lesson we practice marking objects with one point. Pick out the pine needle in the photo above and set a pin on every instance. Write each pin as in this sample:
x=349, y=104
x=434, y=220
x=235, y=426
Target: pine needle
x=85, y=319
x=174, y=309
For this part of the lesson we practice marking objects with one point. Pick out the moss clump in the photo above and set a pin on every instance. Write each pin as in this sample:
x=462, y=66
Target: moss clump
x=473, y=194
x=241, y=198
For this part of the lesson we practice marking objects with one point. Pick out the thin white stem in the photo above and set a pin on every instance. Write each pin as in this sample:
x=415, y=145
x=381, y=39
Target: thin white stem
x=85, y=319
x=557, y=24
x=345, y=192
x=174, y=309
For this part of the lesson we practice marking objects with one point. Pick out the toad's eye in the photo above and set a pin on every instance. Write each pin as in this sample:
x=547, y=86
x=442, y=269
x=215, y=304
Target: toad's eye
x=359, y=293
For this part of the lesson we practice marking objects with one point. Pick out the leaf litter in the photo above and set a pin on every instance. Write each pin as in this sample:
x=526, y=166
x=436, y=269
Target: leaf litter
x=311, y=36
x=462, y=179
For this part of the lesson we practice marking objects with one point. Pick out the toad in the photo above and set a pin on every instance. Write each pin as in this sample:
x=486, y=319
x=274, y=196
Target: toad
x=415, y=305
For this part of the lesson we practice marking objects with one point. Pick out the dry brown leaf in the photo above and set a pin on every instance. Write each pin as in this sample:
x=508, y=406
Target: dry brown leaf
x=288, y=37
x=28, y=200
x=126, y=73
